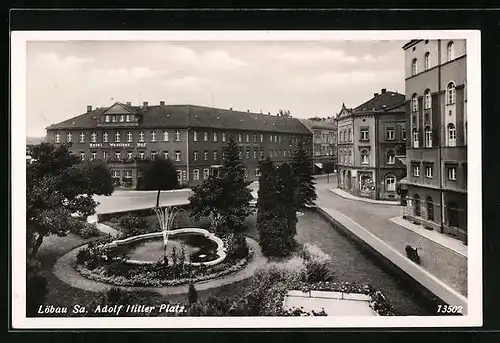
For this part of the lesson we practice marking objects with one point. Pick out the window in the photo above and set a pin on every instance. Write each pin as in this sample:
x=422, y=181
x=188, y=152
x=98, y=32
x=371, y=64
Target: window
x=57, y=137
x=153, y=154
x=246, y=172
x=255, y=154
x=205, y=137
x=206, y=173
x=105, y=155
x=350, y=156
x=223, y=136
x=261, y=138
x=129, y=155
x=415, y=138
x=430, y=208
x=94, y=155
x=365, y=159
x=141, y=136
x=450, y=51
x=68, y=137
x=127, y=119
x=116, y=173
x=82, y=156
x=427, y=99
x=414, y=103
x=428, y=171
x=105, y=137
x=452, y=135
x=279, y=139
x=364, y=134
x=82, y=137
x=262, y=154
x=141, y=155
x=255, y=138
x=391, y=157
x=196, y=174
x=114, y=119
x=247, y=154
x=275, y=138
x=165, y=154
x=117, y=137
x=240, y=137
x=179, y=175
x=195, y=156
x=257, y=172
x=450, y=93
x=205, y=155
x=416, y=169
x=122, y=118
x=390, y=133
x=106, y=118
x=93, y=137
x=216, y=155
x=118, y=155
x=270, y=138
x=195, y=136
x=215, y=136
x=177, y=135
x=239, y=154
x=427, y=62
x=153, y=136
x=177, y=155
x=349, y=135
x=165, y=136
x=414, y=69
x=403, y=134
x=416, y=205
x=452, y=173
x=452, y=212
x=127, y=174
x=129, y=136
x=390, y=182
x=428, y=137
x=248, y=138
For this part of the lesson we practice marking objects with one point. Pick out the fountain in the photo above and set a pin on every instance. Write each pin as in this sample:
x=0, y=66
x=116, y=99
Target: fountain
x=166, y=216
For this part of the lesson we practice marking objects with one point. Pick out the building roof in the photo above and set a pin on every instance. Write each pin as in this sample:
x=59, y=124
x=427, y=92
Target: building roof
x=185, y=116
x=411, y=43
x=325, y=124
x=381, y=102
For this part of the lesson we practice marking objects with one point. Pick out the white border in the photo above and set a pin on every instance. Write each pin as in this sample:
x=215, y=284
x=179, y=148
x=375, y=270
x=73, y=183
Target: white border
x=18, y=170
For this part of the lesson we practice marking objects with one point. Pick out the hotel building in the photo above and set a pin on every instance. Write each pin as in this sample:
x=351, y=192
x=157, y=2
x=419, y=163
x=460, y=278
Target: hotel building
x=192, y=136
x=436, y=86
x=371, y=141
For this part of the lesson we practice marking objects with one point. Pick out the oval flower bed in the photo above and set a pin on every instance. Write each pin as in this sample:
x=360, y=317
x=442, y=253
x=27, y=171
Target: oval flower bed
x=102, y=264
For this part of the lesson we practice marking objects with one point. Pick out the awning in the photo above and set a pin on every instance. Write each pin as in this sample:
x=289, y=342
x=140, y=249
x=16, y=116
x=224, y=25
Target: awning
x=319, y=165
x=402, y=159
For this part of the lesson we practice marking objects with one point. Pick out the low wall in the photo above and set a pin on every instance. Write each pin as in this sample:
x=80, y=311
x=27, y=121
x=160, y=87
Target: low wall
x=430, y=291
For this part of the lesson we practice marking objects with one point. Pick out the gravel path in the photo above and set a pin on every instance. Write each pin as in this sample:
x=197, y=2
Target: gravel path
x=65, y=271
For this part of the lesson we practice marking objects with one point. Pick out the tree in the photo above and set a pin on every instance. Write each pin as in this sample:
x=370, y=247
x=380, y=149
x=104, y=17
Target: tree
x=226, y=196
x=328, y=167
x=192, y=294
x=58, y=185
x=160, y=174
x=276, y=217
x=305, y=192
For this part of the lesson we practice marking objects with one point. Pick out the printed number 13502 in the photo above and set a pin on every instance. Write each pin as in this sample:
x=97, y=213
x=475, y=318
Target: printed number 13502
x=449, y=309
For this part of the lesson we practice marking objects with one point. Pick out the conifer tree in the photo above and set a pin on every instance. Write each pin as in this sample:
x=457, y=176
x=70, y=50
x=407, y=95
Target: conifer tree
x=302, y=166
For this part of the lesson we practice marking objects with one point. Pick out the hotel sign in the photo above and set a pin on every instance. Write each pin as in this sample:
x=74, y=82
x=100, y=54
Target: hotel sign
x=117, y=145
x=95, y=145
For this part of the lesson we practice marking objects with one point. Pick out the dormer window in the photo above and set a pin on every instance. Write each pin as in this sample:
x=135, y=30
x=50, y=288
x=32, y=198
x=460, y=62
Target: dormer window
x=127, y=119
x=114, y=119
x=107, y=118
x=122, y=118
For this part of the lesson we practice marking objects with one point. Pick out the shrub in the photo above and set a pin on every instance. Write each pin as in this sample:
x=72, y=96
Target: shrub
x=192, y=294
x=36, y=287
x=317, y=264
x=90, y=230
x=80, y=227
x=240, y=247
x=213, y=306
x=83, y=256
x=117, y=268
x=133, y=225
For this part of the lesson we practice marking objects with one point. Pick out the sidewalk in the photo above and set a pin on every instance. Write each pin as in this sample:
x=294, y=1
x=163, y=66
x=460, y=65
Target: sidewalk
x=437, y=259
x=446, y=241
x=347, y=195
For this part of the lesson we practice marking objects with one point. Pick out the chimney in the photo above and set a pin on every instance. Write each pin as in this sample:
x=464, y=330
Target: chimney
x=89, y=108
x=162, y=103
x=230, y=108
x=383, y=90
x=144, y=104
x=248, y=111
x=375, y=94
x=129, y=103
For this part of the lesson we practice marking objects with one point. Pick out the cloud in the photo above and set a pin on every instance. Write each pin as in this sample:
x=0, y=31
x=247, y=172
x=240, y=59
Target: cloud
x=322, y=55
x=55, y=61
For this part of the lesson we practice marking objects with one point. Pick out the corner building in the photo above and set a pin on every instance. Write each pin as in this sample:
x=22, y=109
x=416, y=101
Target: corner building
x=124, y=136
x=436, y=87
x=371, y=143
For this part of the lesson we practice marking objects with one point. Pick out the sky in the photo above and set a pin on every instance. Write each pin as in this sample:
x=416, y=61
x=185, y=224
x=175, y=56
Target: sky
x=307, y=78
